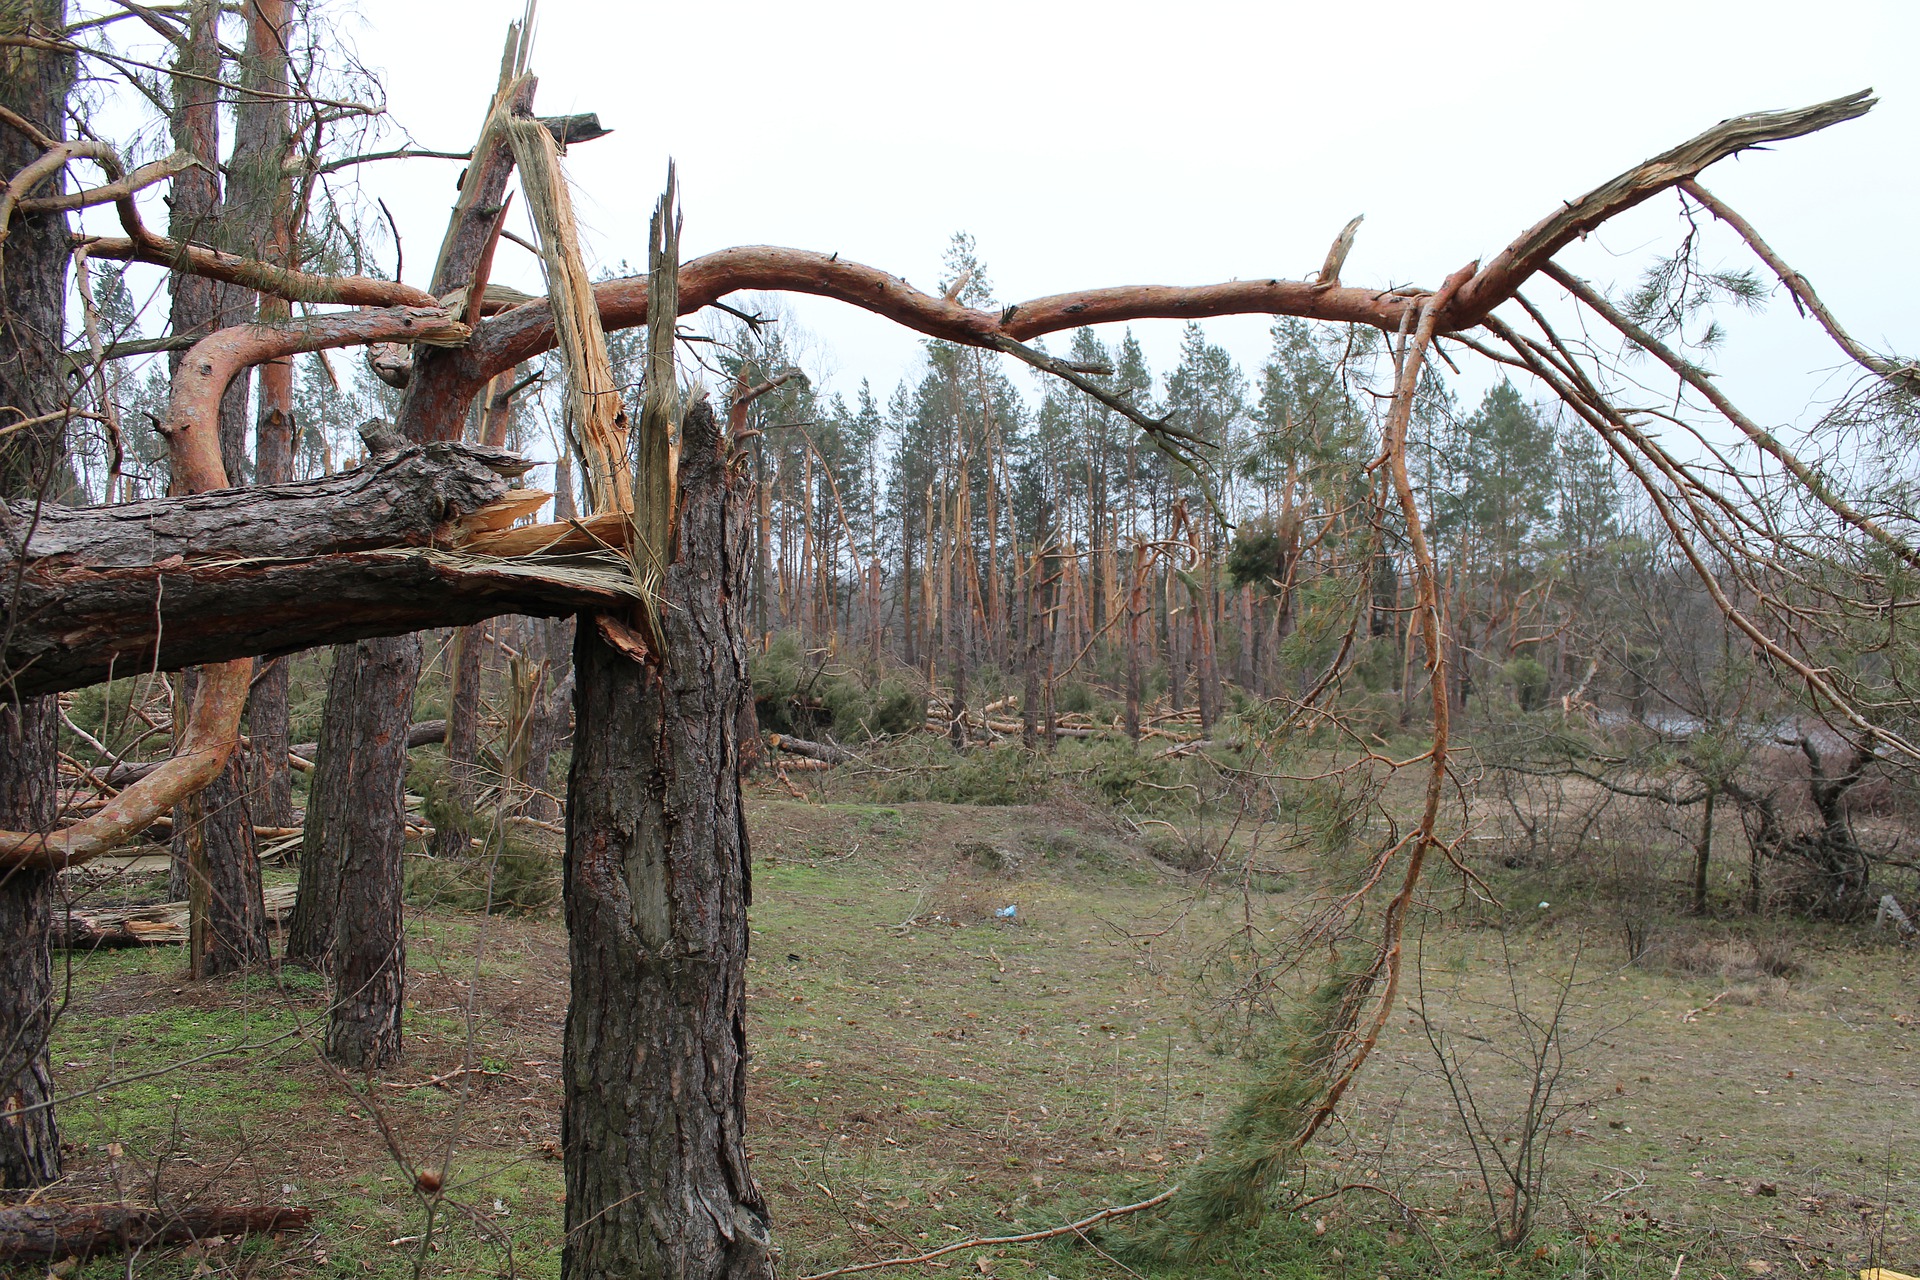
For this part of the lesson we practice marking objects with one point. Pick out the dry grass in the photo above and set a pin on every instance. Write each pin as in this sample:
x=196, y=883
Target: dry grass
x=909, y=1086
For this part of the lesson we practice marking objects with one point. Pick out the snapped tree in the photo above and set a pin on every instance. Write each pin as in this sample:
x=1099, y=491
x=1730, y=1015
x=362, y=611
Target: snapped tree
x=657, y=866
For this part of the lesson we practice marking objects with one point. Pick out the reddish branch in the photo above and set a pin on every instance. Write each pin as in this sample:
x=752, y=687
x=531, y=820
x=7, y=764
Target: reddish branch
x=143, y=245
x=193, y=417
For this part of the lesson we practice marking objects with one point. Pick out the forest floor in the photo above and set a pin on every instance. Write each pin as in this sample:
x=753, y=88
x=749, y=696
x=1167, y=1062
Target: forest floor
x=925, y=1071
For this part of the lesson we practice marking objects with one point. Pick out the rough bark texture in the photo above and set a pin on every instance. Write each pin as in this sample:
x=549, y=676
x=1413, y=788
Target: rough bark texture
x=310, y=929
x=657, y=892
x=29, y=1137
x=229, y=922
x=268, y=728
x=34, y=84
x=273, y=569
x=369, y=950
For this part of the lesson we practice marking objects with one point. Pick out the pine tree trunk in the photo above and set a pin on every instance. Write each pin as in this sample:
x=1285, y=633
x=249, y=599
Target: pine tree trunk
x=29, y=1137
x=1702, y=855
x=657, y=891
x=1136, y=608
x=261, y=201
x=369, y=948
x=227, y=920
x=271, y=732
x=309, y=939
x=33, y=84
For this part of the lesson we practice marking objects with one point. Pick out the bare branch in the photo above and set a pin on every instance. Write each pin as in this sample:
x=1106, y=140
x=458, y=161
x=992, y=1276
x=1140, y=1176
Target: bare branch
x=1509, y=268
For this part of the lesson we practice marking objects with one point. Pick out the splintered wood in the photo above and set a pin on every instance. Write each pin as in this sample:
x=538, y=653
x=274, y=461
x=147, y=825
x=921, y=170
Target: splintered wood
x=594, y=398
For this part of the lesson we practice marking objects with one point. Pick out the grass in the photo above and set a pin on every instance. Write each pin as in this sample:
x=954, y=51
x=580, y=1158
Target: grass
x=915, y=1085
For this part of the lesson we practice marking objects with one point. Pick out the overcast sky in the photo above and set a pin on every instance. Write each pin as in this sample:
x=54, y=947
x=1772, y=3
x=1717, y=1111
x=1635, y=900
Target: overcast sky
x=1097, y=144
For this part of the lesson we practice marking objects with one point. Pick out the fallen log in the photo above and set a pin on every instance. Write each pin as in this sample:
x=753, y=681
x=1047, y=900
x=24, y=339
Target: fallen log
x=416, y=538
x=825, y=752
x=161, y=924
x=59, y=1231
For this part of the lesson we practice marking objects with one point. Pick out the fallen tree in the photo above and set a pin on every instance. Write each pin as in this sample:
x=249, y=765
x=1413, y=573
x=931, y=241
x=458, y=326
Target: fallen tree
x=38, y=1232
x=654, y=1139
x=419, y=537
x=157, y=925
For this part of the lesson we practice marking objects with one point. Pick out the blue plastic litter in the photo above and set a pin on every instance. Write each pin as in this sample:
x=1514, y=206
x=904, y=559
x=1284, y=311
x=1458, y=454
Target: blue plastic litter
x=1007, y=913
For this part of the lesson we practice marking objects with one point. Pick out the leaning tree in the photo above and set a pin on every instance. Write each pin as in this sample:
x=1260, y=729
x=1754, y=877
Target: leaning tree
x=430, y=532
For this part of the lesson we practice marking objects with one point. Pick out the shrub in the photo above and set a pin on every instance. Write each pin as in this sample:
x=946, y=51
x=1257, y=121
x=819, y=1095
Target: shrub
x=519, y=878
x=803, y=694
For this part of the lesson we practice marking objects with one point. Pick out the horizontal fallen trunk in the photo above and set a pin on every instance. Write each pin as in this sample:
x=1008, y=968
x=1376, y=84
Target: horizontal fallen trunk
x=825, y=752
x=160, y=924
x=58, y=1231
x=414, y=539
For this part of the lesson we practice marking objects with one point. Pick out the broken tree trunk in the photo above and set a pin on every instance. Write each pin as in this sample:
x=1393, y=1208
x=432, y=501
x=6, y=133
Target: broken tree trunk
x=657, y=892
x=411, y=539
x=826, y=752
x=158, y=925
x=57, y=1231
x=366, y=818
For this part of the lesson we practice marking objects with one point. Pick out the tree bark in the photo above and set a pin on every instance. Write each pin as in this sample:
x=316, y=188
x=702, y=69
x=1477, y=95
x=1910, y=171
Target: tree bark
x=309, y=938
x=366, y=821
x=29, y=1136
x=401, y=543
x=34, y=85
x=1703, y=854
x=228, y=920
x=657, y=891
x=552, y=712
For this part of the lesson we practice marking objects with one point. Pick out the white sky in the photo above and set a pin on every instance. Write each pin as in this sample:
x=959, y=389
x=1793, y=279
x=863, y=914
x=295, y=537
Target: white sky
x=1098, y=144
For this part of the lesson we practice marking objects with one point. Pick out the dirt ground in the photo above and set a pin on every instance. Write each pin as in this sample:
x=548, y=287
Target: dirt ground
x=925, y=1070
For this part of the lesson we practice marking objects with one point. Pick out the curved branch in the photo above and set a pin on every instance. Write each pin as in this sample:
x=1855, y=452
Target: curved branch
x=51, y=162
x=528, y=330
x=191, y=426
x=213, y=726
x=145, y=176
x=142, y=245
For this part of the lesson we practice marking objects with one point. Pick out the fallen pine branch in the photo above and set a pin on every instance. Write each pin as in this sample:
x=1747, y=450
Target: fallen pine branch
x=987, y=1242
x=56, y=1231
